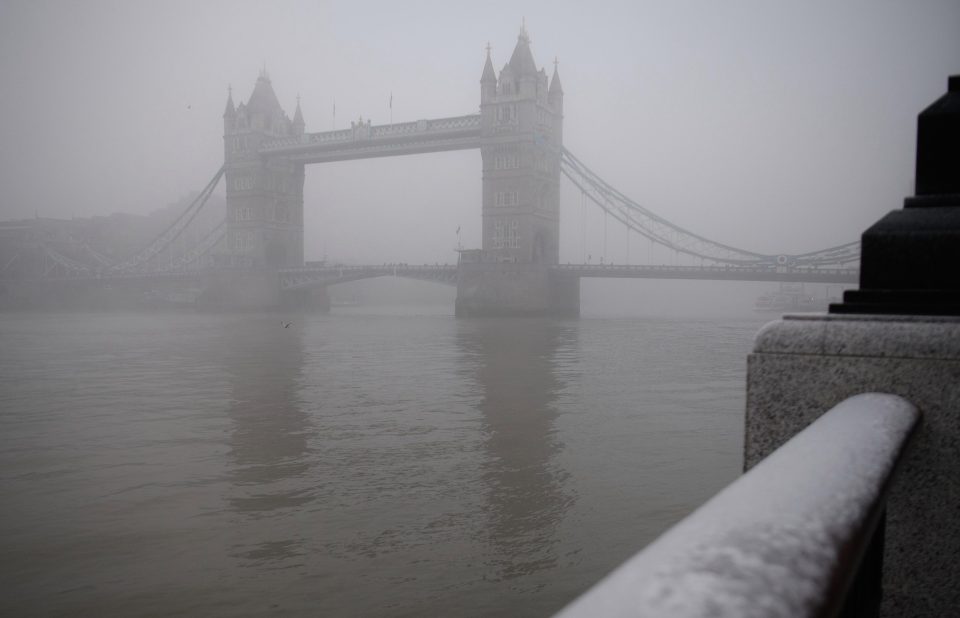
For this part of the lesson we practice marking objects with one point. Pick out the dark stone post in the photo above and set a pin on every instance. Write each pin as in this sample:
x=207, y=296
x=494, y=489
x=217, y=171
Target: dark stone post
x=910, y=259
x=898, y=334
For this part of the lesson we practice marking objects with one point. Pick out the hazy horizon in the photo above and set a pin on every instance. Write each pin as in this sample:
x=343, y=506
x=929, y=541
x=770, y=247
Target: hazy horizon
x=771, y=128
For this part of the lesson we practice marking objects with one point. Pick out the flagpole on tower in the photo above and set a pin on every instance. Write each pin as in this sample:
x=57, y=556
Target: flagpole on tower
x=391, y=108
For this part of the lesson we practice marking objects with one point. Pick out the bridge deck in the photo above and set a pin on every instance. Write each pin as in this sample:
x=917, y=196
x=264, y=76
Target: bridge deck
x=312, y=275
x=326, y=275
x=719, y=273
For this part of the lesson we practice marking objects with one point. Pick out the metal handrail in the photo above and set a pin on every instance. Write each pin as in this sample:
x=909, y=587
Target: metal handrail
x=788, y=538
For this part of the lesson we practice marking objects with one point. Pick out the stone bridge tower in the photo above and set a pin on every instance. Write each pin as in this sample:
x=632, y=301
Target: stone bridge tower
x=264, y=194
x=521, y=141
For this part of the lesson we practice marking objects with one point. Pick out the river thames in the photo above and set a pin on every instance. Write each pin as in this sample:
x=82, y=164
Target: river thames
x=360, y=463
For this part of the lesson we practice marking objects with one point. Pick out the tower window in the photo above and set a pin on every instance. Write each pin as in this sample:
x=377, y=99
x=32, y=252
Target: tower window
x=243, y=241
x=513, y=234
x=507, y=114
x=506, y=161
x=506, y=198
x=242, y=183
x=506, y=234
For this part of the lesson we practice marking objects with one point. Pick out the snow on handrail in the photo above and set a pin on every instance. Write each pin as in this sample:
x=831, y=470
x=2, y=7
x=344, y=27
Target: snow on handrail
x=785, y=539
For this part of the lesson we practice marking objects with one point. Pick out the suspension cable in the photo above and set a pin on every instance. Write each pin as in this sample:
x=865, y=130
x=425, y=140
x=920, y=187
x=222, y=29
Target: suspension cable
x=173, y=231
x=660, y=231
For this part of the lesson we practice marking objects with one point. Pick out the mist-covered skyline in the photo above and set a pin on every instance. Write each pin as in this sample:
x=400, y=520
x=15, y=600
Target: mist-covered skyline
x=775, y=128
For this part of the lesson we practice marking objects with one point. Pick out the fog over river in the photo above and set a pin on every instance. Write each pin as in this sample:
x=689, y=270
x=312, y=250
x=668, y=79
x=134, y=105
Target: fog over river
x=388, y=462
x=387, y=459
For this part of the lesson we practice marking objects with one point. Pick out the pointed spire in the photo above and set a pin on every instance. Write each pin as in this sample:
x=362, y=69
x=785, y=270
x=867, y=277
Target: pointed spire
x=229, y=111
x=263, y=99
x=522, y=59
x=298, y=124
x=555, y=87
x=488, y=73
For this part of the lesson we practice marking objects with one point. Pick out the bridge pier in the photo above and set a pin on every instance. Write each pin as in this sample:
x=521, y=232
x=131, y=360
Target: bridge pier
x=515, y=290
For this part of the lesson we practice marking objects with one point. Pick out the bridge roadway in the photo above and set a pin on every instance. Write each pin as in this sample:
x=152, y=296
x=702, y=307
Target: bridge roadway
x=319, y=275
x=710, y=273
x=312, y=275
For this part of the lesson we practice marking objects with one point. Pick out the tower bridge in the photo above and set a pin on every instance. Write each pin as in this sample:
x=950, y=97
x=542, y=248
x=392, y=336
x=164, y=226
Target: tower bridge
x=256, y=257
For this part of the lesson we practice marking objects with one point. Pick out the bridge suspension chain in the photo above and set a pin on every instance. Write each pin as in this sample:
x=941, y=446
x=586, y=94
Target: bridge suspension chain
x=660, y=231
x=199, y=250
x=161, y=242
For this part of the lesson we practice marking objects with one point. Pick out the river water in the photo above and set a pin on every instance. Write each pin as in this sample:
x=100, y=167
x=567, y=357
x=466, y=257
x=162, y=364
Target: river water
x=362, y=463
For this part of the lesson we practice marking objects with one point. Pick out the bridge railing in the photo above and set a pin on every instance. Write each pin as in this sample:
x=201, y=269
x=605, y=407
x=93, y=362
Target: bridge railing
x=718, y=268
x=725, y=271
x=800, y=534
x=359, y=268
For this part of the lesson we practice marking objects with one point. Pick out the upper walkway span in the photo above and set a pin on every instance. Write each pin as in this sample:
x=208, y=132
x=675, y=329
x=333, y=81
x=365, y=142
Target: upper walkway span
x=366, y=141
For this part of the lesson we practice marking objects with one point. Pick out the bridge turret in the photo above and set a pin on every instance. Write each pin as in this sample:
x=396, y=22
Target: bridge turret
x=555, y=95
x=229, y=114
x=488, y=81
x=555, y=101
x=298, y=125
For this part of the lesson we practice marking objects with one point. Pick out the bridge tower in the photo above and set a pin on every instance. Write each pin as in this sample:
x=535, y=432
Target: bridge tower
x=521, y=140
x=264, y=194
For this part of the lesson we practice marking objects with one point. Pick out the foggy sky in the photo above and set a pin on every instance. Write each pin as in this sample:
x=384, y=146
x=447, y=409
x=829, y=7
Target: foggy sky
x=772, y=126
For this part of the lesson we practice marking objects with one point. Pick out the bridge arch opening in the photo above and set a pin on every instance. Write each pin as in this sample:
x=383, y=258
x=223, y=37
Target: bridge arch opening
x=381, y=211
x=389, y=291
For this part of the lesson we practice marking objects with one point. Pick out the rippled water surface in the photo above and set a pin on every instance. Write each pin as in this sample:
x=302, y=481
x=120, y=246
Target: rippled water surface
x=353, y=464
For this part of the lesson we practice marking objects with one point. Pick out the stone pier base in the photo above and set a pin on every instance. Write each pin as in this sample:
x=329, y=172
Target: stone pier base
x=515, y=290
x=802, y=366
